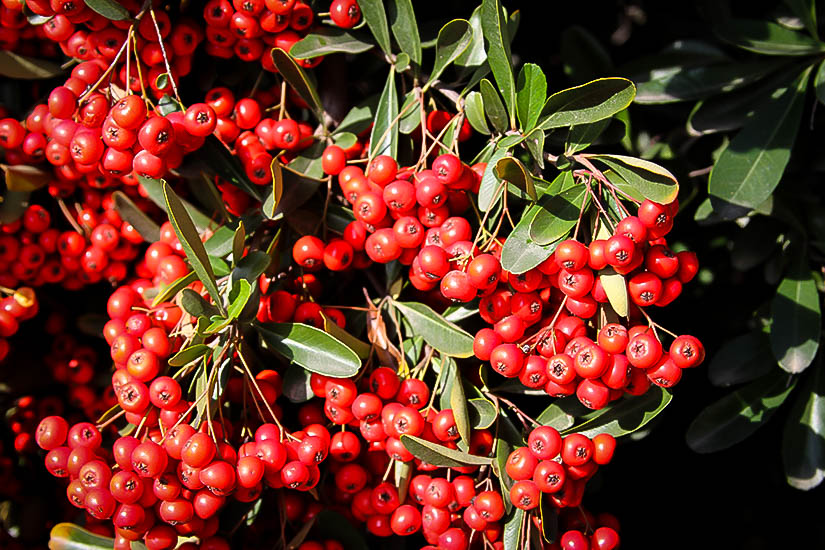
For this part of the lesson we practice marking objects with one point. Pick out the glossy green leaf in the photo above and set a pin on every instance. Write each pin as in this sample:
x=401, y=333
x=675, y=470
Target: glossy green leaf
x=453, y=39
x=313, y=349
x=737, y=415
x=511, y=170
x=679, y=83
x=359, y=117
x=168, y=292
x=148, y=229
x=584, y=58
x=482, y=413
x=766, y=37
x=439, y=455
x=376, y=19
x=615, y=287
x=490, y=189
x=188, y=355
x=558, y=214
x=458, y=403
x=238, y=297
x=494, y=26
x=238, y=240
x=68, y=536
x=154, y=191
x=531, y=92
x=327, y=40
x=649, y=179
x=474, y=56
x=493, y=106
x=562, y=413
x=191, y=242
x=384, y=135
x=474, y=110
x=251, y=266
x=296, y=384
x=109, y=9
x=441, y=334
x=627, y=415
x=195, y=304
x=803, y=441
x=404, y=28
x=591, y=102
x=520, y=252
x=511, y=535
x=297, y=78
x=410, y=114
x=583, y=135
x=21, y=67
x=361, y=348
x=741, y=360
x=797, y=320
x=750, y=167
x=273, y=199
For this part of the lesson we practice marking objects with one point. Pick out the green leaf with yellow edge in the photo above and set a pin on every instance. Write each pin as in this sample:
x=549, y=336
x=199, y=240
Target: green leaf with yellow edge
x=376, y=18
x=274, y=198
x=615, y=287
x=458, y=403
x=297, y=78
x=493, y=106
x=191, y=242
x=441, y=334
x=511, y=169
x=405, y=30
x=312, y=348
x=453, y=39
x=499, y=57
x=531, y=92
x=439, y=455
x=68, y=536
x=591, y=102
x=384, y=135
x=171, y=290
x=188, y=355
x=474, y=110
x=650, y=180
x=625, y=416
x=25, y=178
x=238, y=240
x=327, y=40
x=361, y=348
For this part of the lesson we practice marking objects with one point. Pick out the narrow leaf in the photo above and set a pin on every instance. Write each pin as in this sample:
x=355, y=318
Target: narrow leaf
x=384, y=135
x=458, y=403
x=171, y=290
x=511, y=170
x=615, y=287
x=494, y=26
x=148, y=229
x=327, y=40
x=404, y=28
x=766, y=37
x=531, y=92
x=750, y=167
x=453, y=39
x=24, y=178
x=739, y=414
x=191, y=243
x=797, y=321
x=474, y=109
x=361, y=348
x=297, y=78
x=241, y=291
x=439, y=455
x=195, y=304
x=274, y=198
x=490, y=189
x=474, y=56
x=441, y=334
x=376, y=18
x=21, y=67
x=68, y=536
x=189, y=355
x=587, y=103
x=627, y=415
x=493, y=106
x=238, y=240
x=649, y=179
x=511, y=536
x=313, y=349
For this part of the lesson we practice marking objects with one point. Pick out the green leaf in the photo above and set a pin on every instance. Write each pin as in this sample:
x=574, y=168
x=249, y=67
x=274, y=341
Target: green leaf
x=441, y=334
x=376, y=18
x=195, y=304
x=297, y=78
x=453, y=39
x=490, y=190
x=615, y=287
x=750, y=167
x=191, y=243
x=803, y=441
x=458, y=403
x=531, y=92
x=583, y=135
x=742, y=359
x=766, y=37
x=493, y=106
x=797, y=321
x=819, y=83
x=154, y=191
x=361, y=348
x=591, y=102
x=410, y=114
x=627, y=415
x=736, y=416
x=494, y=26
x=171, y=290
x=313, y=349
x=474, y=56
x=20, y=67
x=68, y=536
x=189, y=355
x=109, y=9
x=511, y=536
x=679, y=83
x=482, y=413
x=474, y=109
x=439, y=455
x=649, y=179
x=805, y=10
x=359, y=117
x=557, y=214
x=23, y=177
x=404, y=28
x=251, y=266
x=583, y=56
x=520, y=252
x=562, y=413
x=384, y=135
x=511, y=170
x=148, y=229
x=327, y=40
x=296, y=384
x=238, y=297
